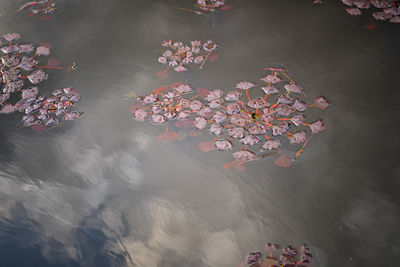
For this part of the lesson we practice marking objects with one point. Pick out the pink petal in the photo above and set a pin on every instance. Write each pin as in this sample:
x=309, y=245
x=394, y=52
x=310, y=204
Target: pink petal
x=283, y=161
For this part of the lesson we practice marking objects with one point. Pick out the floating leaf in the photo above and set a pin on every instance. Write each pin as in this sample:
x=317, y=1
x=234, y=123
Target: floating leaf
x=52, y=63
x=168, y=136
x=229, y=165
x=207, y=146
x=226, y=7
x=213, y=57
x=283, y=161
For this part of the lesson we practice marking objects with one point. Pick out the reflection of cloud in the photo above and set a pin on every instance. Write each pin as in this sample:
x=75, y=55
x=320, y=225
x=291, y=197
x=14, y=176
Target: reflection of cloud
x=374, y=223
x=217, y=246
x=144, y=229
x=59, y=209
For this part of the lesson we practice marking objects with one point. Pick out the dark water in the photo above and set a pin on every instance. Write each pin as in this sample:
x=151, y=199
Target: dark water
x=103, y=192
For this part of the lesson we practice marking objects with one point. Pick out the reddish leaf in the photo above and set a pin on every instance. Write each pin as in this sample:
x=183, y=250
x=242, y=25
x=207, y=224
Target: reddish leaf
x=283, y=161
x=38, y=128
x=207, y=146
x=371, y=26
x=52, y=62
x=240, y=167
x=203, y=92
x=45, y=18
x=226, y=7
x=213, y=57
x=168, y=136
x=229, y=165
x=183, y=123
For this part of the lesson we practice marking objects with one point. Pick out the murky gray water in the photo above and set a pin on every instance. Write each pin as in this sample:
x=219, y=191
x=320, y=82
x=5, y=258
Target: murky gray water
x=102, y=191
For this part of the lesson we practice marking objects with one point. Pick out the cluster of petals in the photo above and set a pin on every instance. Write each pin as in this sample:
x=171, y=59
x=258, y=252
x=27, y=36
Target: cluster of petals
x=236, y=118
x=20, y=75
x=179, y=55
x=388, y=11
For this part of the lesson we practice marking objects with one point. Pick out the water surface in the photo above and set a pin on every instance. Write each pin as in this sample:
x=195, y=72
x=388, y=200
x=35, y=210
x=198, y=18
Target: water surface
x=102, y=191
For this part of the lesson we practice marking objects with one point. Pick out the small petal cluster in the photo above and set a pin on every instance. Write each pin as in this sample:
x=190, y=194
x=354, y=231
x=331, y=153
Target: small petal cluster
x=389, y=10
x=21, y=73
x=43, y=7
x=210, y=5
x=288, y=256
x=179, y=55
